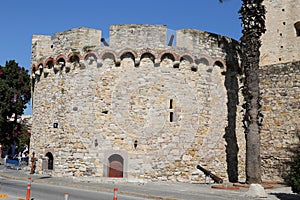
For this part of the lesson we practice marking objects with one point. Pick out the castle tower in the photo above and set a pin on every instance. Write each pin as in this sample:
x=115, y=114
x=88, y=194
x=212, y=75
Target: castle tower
x=281, y=42
x=279, y=86
x=139, y=107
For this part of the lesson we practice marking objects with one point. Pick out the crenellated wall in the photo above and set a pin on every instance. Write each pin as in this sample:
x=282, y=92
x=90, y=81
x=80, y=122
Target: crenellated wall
x=155, y=110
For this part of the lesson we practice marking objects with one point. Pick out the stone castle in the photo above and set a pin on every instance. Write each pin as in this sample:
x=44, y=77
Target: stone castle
x=145, y=106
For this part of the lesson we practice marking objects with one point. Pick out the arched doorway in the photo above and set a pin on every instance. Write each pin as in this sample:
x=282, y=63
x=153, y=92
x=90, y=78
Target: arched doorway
x=115, y=169
x=50, y=160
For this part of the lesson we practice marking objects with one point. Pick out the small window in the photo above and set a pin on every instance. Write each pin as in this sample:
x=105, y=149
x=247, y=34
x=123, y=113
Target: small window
x=171, y=116
x=171, y=103
x=297, y=27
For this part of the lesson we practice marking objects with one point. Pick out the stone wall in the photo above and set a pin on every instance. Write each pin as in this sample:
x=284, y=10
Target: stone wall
x=162, y=109
x=280, y=134
x=280, y=43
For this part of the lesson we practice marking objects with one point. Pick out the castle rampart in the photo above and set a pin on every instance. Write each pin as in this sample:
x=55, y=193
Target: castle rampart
x=136, y=108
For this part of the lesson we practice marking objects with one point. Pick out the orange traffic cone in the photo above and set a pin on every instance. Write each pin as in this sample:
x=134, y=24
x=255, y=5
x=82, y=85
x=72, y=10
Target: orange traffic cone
x=115, y=194
x=28, y=189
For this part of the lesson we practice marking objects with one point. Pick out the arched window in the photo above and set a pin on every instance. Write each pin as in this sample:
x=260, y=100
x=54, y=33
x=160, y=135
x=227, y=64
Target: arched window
x=116, y=163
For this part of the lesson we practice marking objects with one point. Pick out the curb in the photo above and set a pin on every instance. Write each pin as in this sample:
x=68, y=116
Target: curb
x=74, y=185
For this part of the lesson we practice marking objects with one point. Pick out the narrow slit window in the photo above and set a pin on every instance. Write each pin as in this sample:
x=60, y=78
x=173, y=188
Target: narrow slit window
x=171, y=103
x=171, y=116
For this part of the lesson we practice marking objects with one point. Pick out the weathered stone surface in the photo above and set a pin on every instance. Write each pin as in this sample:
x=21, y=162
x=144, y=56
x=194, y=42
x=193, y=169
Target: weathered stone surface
x=147, y=102
x=256, y=191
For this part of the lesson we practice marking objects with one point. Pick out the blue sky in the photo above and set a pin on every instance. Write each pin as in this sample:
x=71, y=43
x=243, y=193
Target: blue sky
x=20, y=19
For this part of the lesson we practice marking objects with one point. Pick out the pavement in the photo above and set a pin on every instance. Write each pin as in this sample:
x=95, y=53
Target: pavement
x=155, y=190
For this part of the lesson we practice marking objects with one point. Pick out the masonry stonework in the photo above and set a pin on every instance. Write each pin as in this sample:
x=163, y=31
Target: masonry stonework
x=144, y=108
x=281, y=40
x=152, y=111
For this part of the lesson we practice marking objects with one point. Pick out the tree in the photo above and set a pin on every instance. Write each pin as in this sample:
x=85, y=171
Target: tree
x=15, y=93
x=253, y=20
x=252, y=15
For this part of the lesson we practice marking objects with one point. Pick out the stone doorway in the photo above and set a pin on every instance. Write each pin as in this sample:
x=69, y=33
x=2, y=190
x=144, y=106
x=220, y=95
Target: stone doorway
x=116, y=166
x=49, y=155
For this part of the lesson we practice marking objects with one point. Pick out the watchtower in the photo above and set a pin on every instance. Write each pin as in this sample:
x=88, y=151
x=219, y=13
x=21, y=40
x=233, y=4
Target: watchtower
x=281, y=42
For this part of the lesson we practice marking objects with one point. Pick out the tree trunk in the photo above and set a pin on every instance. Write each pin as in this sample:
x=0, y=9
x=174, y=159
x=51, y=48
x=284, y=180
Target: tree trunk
x=252, y=97
x=253, y=19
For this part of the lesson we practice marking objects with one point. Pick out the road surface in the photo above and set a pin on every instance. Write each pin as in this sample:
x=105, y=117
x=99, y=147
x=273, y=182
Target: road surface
x=15, y=189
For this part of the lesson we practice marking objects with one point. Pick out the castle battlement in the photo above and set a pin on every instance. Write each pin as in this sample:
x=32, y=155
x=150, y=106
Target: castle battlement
x=83, y=46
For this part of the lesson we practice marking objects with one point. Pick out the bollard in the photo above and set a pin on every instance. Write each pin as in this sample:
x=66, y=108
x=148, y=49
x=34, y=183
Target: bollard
x=28, y=189
x=66, y=196
x=115, y=194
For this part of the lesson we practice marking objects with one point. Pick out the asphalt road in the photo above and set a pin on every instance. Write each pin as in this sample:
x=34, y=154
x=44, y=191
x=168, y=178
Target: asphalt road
x=15, y=189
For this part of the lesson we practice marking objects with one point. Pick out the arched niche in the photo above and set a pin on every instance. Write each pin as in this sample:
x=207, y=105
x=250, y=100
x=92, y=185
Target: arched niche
x=127, y=55
x=116, y=166
x=202, y=62
x=74, y=58
x=90, y=58
x=169, y=56
x=219, y=64
x=50, y=160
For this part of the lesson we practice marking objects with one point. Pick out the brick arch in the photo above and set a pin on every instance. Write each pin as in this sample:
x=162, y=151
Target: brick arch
x=188, y=57
x=173, y=55
x=149, y=55
x=90, y=53
x=33, y=68
x=126, y=51
x=204, y=59
x=127, y=54
x=41, y=63
x=108, y=54
x=220, y=63
x=50, y=59
x=72, y=55
x=151, y=51
x=60, y=57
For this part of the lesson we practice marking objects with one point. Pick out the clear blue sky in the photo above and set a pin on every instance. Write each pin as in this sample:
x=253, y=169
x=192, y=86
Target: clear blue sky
x=20, y=19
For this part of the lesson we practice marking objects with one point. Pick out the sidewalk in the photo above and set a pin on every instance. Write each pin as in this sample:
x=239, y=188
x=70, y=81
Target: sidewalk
x=152, y=190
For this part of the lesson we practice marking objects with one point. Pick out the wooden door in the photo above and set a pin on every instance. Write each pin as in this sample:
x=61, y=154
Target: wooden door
x=116, y=169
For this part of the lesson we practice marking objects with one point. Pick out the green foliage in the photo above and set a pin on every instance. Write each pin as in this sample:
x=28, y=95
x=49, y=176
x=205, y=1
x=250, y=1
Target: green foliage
x=15, y=93
x=294, y=176
x=87, y=48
